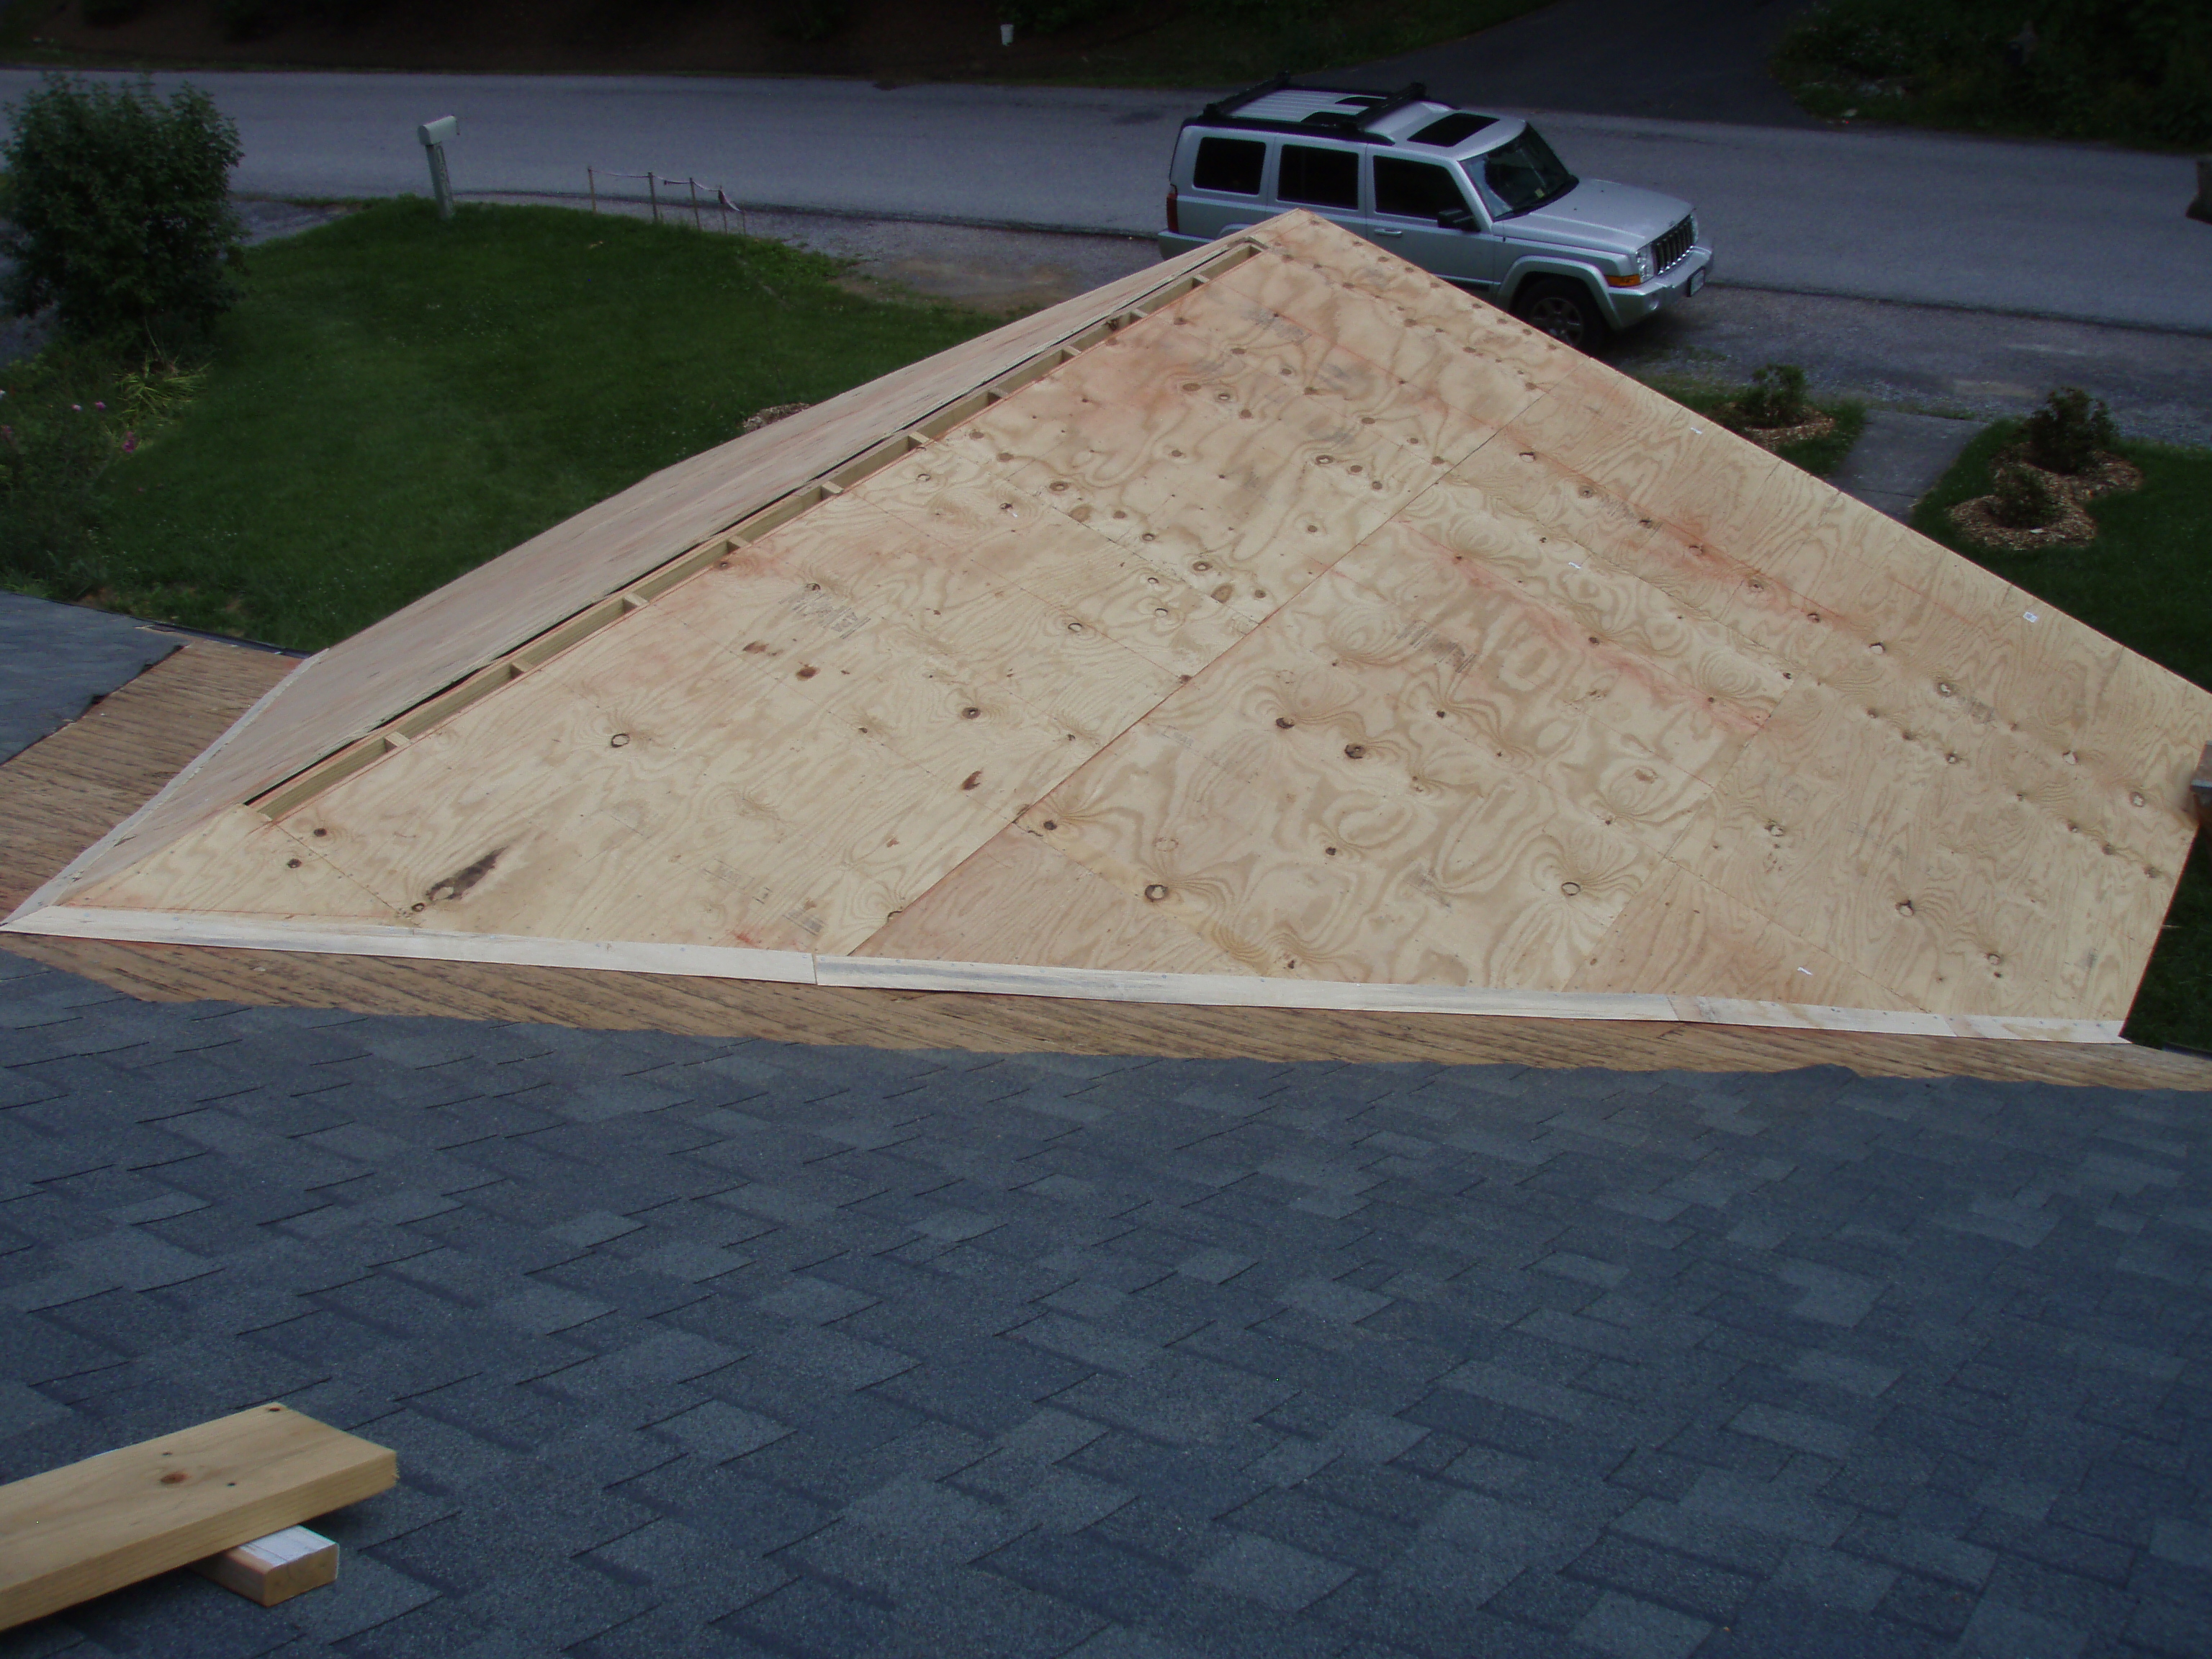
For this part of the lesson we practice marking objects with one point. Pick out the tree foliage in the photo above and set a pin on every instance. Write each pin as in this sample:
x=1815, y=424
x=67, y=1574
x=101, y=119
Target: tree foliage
x=2135, y=70
x=118, y=210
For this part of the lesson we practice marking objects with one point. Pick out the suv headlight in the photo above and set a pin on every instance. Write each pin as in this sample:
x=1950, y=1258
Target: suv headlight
x=1644, y=262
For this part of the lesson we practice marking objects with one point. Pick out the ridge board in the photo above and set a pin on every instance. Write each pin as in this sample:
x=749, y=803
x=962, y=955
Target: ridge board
x=1219, y=990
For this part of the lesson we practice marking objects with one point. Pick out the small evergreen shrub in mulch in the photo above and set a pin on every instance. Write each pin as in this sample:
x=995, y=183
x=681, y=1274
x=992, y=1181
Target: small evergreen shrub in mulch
x=2039, y=486
x=1773, y=412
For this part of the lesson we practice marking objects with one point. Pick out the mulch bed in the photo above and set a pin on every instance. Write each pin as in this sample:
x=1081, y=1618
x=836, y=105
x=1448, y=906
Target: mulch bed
x=2073, y=527
x=1779, y=438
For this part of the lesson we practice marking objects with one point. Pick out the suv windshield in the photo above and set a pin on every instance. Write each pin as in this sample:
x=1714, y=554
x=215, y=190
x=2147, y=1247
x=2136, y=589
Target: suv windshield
x=1520, y=174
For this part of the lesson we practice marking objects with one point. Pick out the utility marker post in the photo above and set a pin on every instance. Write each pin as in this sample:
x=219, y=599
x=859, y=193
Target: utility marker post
x=434, y=135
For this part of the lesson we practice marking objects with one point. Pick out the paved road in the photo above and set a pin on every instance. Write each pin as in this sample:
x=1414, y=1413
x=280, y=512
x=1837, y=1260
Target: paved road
x=2042, y=229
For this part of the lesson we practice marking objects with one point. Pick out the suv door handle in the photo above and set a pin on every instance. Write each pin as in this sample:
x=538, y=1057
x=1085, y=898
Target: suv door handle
x=1381, y=230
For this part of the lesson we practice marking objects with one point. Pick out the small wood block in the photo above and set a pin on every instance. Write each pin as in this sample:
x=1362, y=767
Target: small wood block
x=2200, y=787
x=75, y=1533
x=276, y=1568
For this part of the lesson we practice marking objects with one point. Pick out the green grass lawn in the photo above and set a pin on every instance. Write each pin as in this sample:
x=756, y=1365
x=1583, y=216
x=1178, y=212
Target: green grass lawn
x=1818, y=456
x=2146, y=581
x=396, y=400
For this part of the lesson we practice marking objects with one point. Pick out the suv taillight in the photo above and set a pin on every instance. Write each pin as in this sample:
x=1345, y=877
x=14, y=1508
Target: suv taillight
x=1174, y=225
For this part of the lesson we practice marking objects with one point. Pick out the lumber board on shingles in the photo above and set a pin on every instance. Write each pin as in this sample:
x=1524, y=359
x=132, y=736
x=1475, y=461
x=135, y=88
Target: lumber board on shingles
x=274, y=1569
x=125, y=1515
x=417, y=651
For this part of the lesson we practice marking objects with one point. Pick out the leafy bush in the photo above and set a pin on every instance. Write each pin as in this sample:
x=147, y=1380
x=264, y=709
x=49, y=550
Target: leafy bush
x=2067, y=433
x=242, y=19
x=810, y=20
x=2023, y=498
x=118, y=207
x=1051, y=16
x=1776, y=396
x=2135, y=70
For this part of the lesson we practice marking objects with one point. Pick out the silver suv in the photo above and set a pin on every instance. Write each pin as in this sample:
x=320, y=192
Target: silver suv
x=1480, y=200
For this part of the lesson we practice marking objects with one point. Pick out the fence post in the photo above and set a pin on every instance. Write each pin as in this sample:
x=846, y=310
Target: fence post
x=592, y=180
x=652, y=190
x=697, y=223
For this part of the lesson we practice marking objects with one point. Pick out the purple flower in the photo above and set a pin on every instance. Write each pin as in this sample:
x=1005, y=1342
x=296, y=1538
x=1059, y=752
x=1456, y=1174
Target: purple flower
x=76, y=409
x=102, y=408
x=130, y=442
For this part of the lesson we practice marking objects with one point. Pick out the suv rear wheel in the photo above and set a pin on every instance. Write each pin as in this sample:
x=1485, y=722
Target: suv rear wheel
x=1563, y=310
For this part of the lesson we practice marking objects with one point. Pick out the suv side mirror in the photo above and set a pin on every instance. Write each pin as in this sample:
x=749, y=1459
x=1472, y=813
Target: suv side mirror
x=1458, y=218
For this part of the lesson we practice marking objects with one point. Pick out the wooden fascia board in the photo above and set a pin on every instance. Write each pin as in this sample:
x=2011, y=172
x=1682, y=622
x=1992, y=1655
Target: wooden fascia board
x=1007, y=978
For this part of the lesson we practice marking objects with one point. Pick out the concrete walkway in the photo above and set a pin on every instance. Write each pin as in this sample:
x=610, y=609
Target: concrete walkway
x=1899, y=457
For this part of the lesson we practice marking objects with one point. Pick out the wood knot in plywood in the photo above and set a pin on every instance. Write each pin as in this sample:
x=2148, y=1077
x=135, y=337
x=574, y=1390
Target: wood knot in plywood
x=457, y=884
x=1355, y=751
x=1156, y=892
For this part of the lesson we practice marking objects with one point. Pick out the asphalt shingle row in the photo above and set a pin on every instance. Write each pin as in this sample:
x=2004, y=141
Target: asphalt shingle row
x=739, y=1348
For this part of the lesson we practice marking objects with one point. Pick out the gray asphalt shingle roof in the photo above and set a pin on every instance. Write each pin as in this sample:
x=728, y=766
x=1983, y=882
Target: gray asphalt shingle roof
x=57, y=659
x=696, y=1348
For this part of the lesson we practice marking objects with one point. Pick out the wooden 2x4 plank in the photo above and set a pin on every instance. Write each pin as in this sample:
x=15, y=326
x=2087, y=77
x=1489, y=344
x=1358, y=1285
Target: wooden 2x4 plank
x=75, y=1533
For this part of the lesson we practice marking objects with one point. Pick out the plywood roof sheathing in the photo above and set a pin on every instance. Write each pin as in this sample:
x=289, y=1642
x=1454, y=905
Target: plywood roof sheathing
x=1281, y=627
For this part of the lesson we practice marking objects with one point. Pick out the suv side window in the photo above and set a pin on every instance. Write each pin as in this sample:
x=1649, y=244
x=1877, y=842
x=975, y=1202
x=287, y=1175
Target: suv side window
x=1230, y=165
x=1319, y=178
x=1414, y=190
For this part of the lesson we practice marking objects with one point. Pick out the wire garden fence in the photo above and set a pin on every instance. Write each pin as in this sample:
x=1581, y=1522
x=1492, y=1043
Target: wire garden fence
x=664, y=192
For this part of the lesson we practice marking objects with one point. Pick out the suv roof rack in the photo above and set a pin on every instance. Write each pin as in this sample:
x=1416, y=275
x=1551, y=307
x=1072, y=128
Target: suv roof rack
x=1341, y=124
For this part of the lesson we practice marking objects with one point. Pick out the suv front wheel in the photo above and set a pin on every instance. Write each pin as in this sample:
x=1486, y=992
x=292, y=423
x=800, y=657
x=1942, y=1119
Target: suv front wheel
x=1563, y=310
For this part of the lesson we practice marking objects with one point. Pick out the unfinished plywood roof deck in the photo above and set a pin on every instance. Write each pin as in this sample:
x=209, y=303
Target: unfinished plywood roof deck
x=1278, y=626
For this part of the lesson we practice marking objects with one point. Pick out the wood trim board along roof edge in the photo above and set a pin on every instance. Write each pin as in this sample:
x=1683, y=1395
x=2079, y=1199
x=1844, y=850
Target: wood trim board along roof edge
x=1012, y=979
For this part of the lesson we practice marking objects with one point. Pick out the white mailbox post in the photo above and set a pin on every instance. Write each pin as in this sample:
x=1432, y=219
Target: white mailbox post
x=434, y=135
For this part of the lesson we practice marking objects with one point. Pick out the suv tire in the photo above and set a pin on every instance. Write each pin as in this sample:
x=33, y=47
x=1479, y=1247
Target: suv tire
x=1563, y=309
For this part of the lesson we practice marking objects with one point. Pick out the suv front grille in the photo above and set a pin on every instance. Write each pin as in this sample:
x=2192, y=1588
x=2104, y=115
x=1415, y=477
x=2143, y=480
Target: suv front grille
x=1673, y=245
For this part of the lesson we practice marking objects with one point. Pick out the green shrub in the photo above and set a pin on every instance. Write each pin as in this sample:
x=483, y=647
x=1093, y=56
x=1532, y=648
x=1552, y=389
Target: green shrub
x=2023, y=498
x=118, y=207
x=1052, y=16
x=1776, y=396
x=810, y=20
x=2067, y=433
x=243, y=20
x=2135, y=70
